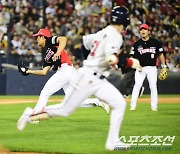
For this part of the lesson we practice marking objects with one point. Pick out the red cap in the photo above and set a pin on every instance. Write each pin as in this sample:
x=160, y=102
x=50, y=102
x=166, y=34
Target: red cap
x=43, y=32
x=144, y=26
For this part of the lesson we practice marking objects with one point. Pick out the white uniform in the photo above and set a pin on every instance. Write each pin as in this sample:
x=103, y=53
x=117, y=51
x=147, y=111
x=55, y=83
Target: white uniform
x=90, y=81
x=57, y=81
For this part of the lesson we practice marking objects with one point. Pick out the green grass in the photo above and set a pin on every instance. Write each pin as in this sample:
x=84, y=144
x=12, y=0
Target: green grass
x=85, y=131
x=61, y=96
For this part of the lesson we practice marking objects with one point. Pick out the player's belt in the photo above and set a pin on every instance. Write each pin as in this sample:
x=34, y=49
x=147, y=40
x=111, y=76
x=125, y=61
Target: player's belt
x=99, y=75
x=65, y=64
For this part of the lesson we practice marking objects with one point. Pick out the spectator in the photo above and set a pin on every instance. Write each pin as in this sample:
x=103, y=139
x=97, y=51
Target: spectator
x=170, y=65
x=90, y=16
x=3, y=43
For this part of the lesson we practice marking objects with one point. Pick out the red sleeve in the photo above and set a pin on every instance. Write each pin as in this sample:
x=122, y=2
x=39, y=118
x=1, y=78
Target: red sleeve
x=129, y=62
x=65, y=58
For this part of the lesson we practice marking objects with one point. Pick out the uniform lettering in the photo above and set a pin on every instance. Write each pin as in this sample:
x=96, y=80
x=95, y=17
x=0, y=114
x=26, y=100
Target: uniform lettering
x=49, y=54
x=95, y=45
x=132, y=51
x=149, y=50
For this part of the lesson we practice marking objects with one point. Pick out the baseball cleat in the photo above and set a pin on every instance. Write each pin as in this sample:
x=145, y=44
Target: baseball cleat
x=132, y=109
x=35, y=122
x=154, y=109
x=105, y=107
x=24, y=119
x=41, y=116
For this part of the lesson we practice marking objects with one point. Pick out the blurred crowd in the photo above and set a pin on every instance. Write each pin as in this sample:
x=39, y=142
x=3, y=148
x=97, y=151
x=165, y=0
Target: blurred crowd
x=19, y=19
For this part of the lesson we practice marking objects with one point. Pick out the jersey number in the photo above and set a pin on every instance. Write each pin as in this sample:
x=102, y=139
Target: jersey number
x=95, y=45
x=152, y=56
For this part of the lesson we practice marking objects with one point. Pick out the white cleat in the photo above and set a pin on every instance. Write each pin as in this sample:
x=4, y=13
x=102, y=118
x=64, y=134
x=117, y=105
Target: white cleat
x=24, y=119
x=154, y=109
x=132, y=109
x=34, y=122
x=105, y=107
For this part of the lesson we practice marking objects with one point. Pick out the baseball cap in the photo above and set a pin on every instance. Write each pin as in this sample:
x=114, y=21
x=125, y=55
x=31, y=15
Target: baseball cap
x=43, y=32
x=144, y=26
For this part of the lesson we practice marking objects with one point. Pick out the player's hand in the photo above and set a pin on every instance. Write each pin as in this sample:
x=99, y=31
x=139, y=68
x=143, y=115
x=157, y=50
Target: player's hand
x=111, y=59
x=56, y=56
x=136, y=65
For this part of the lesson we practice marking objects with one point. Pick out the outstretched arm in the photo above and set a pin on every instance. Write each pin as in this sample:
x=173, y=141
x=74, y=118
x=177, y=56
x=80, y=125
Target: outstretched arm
x=42, y=72
x=122, y=61
x=129, y=62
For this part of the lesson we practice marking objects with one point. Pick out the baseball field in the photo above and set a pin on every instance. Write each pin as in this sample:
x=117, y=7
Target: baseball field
x=85, y=131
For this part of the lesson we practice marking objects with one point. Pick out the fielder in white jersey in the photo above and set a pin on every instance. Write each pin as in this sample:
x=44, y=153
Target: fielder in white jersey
x=91, y=79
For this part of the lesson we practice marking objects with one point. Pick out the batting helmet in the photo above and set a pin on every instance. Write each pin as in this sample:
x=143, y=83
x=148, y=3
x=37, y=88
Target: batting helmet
x=120, y=15
x=43, y=32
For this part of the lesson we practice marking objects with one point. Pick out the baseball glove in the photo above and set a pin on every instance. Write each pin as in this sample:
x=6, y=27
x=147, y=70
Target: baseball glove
x=23, y=69
x=163, y=74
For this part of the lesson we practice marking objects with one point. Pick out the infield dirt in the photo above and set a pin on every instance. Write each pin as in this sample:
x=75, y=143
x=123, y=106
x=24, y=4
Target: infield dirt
x=57, y=100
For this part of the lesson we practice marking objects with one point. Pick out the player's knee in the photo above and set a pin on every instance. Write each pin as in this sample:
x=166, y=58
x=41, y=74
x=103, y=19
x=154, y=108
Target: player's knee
x=121, y=104
x=154, y=86
x=46, y=93
x=138, y=86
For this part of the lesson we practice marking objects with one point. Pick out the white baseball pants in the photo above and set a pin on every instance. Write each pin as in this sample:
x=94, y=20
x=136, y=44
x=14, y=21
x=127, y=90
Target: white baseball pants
x=151, y=73
x=84, y=85
x=57, y=81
